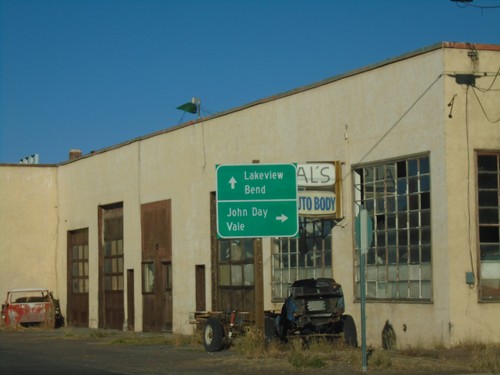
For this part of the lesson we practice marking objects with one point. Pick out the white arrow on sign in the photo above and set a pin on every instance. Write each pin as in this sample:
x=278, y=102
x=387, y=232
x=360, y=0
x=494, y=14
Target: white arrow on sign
x=232, y=181
x=282, y=218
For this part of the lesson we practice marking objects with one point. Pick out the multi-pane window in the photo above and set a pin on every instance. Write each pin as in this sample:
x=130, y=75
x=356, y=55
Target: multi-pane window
x=488, y=182
x=309, y=256
x=397, y=197
x=113, y=265
x=113, y=250
x=80, y=269
x=236, y=262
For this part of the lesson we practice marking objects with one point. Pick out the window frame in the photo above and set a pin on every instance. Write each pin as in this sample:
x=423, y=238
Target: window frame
x=486, y=227
x=288, y=266
x=236, y=259
x=145, y=277
x=397, y=195
x=113, y=265
x=79, y=269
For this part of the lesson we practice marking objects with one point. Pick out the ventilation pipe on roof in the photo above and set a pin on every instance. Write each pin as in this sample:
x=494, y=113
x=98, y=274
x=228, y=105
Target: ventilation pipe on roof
x=32, y=159
x=74, y=154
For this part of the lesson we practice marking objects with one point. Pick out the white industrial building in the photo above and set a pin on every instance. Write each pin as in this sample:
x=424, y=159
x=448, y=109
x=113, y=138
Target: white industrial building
x=126, y=237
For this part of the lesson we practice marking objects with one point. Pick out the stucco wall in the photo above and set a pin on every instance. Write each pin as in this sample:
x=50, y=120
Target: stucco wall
x=400, y=112
x=85, y=185
x=468, y=131
x=28, y=228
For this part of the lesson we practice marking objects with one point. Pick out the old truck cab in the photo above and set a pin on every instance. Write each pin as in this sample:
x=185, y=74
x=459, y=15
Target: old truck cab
x=33, y=306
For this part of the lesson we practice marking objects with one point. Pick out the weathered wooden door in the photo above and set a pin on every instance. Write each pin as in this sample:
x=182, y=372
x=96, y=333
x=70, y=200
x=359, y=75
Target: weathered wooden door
x=77, y=310
x=157, y=266
x=111, y=272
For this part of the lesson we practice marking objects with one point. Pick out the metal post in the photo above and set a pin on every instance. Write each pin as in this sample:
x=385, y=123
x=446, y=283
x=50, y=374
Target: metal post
x=364, y=237
x=363, y=312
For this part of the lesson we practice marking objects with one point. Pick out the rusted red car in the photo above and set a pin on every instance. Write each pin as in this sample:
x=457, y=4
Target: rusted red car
x=27, y=307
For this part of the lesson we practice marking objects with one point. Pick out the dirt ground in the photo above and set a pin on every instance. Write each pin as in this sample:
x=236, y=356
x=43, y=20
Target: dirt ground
x=141, y=353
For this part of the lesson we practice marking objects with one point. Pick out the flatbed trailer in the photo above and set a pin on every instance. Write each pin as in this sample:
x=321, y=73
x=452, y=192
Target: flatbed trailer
x=220, y=328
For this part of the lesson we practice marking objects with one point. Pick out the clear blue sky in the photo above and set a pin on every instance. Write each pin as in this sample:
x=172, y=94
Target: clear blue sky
x=90, y=74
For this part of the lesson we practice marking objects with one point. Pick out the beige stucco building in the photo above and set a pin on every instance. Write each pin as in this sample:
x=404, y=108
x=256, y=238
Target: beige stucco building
x=126, y=238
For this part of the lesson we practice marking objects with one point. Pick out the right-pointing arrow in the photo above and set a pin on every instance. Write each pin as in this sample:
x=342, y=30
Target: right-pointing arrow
x=282, y=218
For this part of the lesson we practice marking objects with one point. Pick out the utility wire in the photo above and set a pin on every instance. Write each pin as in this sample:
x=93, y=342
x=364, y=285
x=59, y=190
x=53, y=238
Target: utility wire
x=491, y=85
x=481, y=105
x=467, y=3
x=181, y=118
x=208, y=111
x=374, y=146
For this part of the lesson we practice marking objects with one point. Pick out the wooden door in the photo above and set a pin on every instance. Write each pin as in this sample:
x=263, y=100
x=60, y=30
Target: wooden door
x=111, y=272
x=156, y=266
x=77, y=309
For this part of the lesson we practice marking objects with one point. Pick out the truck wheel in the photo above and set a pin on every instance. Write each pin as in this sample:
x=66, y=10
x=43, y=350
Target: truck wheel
x=213, y=335
x=350, y=334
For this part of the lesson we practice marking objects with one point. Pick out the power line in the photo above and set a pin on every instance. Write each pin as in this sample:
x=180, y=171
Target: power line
x=467, y=3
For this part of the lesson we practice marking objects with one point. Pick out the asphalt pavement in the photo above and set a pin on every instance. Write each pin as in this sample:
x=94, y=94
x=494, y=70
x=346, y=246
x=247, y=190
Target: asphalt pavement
x=84, y=351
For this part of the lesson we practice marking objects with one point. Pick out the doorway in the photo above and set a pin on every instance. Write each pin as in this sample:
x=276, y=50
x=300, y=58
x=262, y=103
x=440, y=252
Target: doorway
x=111, y=272
x=156, y=270
x=78, y=278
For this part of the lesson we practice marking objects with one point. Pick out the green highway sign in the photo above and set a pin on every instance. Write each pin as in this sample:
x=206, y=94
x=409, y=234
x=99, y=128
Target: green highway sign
x=257, y=200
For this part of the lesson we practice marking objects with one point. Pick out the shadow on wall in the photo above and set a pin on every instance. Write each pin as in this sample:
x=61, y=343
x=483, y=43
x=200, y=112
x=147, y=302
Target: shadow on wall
x=388, y=336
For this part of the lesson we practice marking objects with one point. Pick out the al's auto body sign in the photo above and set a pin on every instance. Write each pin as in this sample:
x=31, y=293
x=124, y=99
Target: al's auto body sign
x=319, y=189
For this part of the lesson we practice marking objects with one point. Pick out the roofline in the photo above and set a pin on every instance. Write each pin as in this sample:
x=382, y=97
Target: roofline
x=405, y=56
x=44, y=165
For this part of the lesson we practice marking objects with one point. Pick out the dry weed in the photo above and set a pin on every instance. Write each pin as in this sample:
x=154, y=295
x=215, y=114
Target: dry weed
x=380, y=359
x=486, y=358
x=251, y=344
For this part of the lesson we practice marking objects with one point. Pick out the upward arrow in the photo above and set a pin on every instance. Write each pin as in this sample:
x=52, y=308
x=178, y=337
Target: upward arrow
x=232, y=182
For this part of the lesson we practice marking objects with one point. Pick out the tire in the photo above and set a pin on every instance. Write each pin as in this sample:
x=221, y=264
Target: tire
x=350, y=333
x=213, y=335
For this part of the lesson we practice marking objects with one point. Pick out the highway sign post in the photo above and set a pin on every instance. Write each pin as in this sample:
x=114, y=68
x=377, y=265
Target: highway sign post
x=257, y=200
x=364, y=239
